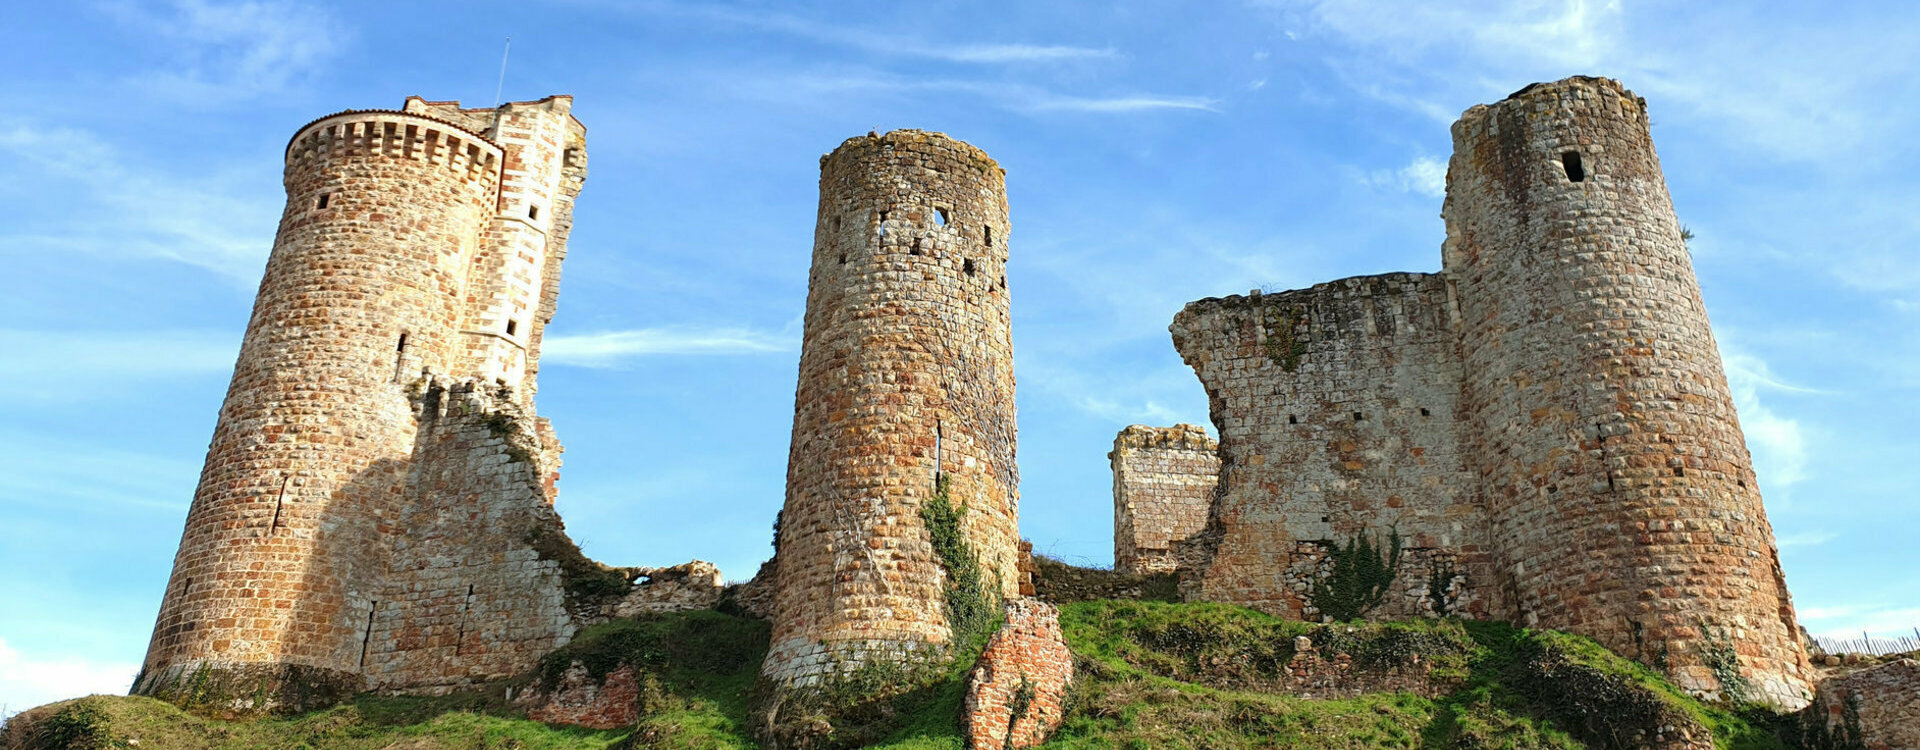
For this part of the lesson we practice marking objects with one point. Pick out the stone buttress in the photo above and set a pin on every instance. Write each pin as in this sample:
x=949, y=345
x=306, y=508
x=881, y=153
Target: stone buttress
x=906, y=374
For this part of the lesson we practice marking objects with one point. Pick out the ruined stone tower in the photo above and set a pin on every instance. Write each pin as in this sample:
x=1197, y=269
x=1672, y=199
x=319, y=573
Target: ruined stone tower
x=1615, y=471
x=1545, y=424
x=906, y=376
x=417, y=262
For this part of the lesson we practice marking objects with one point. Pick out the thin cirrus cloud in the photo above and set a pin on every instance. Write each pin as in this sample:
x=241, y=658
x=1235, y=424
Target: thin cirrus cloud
x=74, y=365
x=613, y=348
x=870, y=40
x=809, y=87
x=227, y=51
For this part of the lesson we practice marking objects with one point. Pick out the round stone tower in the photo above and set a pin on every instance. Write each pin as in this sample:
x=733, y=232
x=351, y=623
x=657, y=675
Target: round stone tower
x=1617, y=477
x=906, y=385
x=271, y=593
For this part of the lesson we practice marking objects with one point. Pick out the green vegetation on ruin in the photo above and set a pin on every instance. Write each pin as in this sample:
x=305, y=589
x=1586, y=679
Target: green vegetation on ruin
x=1151, y=675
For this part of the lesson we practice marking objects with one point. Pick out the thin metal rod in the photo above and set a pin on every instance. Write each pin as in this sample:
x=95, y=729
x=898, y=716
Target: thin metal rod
x=502, y=85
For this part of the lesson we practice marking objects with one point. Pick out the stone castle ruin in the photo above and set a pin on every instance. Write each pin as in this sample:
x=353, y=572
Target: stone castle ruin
x=1539, y=433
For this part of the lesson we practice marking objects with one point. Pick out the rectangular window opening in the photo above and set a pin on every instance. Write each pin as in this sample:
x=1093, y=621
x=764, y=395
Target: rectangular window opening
x=533, y=212
x=325, y=198
x=512, y=326
x=1570, y=161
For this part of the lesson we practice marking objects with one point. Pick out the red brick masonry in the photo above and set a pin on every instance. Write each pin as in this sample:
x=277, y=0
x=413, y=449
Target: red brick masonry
x=1029, y=658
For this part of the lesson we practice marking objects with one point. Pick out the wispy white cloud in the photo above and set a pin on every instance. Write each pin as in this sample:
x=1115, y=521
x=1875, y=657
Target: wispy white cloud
x=1425, y=175
x=810, y=87
x=1806, y=539
x=27, y=680
x=610, y=348
x=73, y=365
x=878, y=41
x=227, y=51
x=1778, y=442
x=213, y=222
x=1848, y=622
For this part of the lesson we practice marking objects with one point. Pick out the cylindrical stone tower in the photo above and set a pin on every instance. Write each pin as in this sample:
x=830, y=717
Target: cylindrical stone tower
x=271, y=593
x=906, y=373
x=1618, y=481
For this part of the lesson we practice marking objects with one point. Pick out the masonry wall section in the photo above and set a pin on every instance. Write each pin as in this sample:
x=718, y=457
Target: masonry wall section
x=1618, y=481
x=1338, y=417
x=906, y=371
x=1163, y=486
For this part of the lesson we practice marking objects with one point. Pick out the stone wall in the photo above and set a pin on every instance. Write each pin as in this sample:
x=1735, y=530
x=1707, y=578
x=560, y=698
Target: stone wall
x=1163, y=482
x=1600, y=416
x=1881, y=703
x=906, y=374
x=1338, y=415
x=1545, y=423
x=1016, y=694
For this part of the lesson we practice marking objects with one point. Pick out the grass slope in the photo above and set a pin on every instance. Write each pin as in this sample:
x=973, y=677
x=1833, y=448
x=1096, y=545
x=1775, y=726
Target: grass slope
x=1152, y=675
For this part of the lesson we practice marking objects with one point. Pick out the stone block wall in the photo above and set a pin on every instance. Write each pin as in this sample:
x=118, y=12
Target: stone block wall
x=1163, y=483
x=1881, y=702
x=1338, y=415
x=906, y=375
x=1016, y=694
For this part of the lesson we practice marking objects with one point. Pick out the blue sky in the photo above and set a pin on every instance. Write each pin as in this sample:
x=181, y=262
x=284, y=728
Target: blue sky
x=1157, y=152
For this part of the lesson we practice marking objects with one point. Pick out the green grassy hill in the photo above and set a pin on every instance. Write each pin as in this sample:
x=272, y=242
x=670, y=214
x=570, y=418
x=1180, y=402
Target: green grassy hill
x=1151, y=676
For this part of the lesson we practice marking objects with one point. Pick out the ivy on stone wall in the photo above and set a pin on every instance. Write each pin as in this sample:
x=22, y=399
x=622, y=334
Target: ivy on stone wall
x=1284, y=344
x=1359, y=576
x=971, y=607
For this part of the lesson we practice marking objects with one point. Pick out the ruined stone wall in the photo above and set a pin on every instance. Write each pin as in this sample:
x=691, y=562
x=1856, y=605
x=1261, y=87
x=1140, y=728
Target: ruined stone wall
x=1880, y=704
x=907, y=361
x=277, y=563
x=1620, y=488
x=1338, y=417
x=467, y=596
x=1016, y=693
x=1163, y=483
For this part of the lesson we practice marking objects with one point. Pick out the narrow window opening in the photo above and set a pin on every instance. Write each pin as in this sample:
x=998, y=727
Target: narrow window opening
x=1003, y=282
x=1743, y=482
x=939, y=435
x=967, y=266
x=533, y=212
x=402, y=346
x=1571, y=162
x=367, y=638
x=843, y=259
x=186, y=587
x=1553, y=489
x=512, y=325
x=1424, y=412
x=325, y=198
x=279, y=503
x=989, y=231
x=916, y=247
x=836, y=225
x=1609, y=481
x=1356, y=416
x=940, y=216
x=1291, y=419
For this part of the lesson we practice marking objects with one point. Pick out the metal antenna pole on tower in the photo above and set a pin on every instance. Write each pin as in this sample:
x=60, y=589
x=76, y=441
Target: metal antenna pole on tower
x=498, y=87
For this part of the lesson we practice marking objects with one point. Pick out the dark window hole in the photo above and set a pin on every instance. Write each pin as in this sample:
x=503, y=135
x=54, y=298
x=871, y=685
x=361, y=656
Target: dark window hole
x=1424, y=412
x=1679, y=472
x=533, y=212
x=1571, y=161
x=512, y=325
x=989, y=231
x=843, y=259
x=1291, y=419
x=967, y=266
x=1356, y=416
x=402, y=346
x=325, y=198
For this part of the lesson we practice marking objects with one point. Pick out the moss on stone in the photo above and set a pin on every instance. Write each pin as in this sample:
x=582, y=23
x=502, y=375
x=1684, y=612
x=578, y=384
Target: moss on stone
x=587, y=582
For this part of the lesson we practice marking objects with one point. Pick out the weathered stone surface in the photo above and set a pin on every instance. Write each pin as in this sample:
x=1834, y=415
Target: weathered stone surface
x=1545, y=423
x=581, y=701
x=1059, y=583
x=1016, y=693
x=1163, y=486
x=906, y=374
x=1882, y=701
x=416, y=266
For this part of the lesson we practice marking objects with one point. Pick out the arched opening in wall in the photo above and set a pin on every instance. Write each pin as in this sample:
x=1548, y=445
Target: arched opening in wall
x=1570, y=161
x=940, y=216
